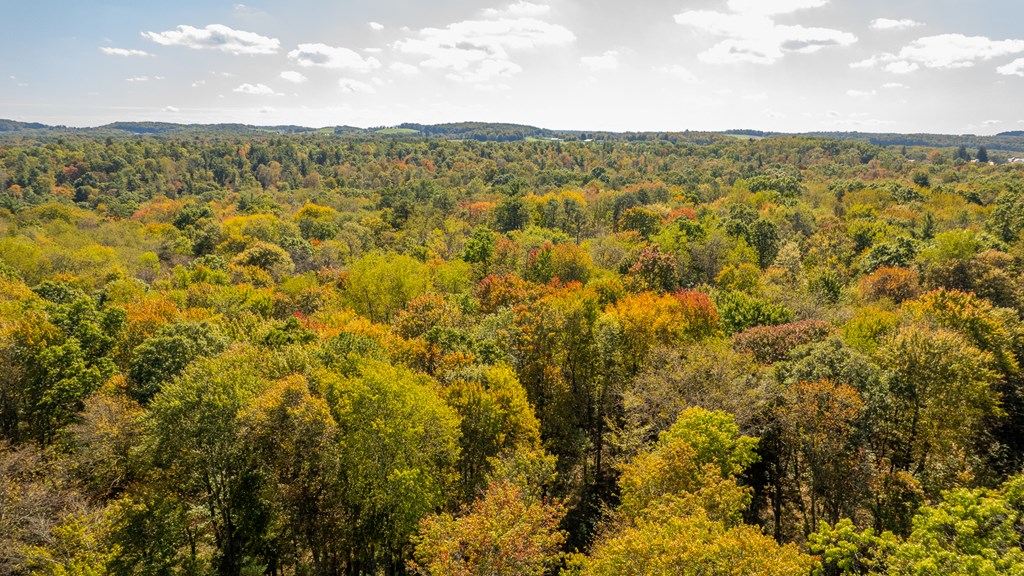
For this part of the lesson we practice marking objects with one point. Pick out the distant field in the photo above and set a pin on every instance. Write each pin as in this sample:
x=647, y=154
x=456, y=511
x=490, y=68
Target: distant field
x=398, y=131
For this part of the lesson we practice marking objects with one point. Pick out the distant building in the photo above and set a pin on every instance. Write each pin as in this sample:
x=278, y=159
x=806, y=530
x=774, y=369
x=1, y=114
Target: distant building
x=1016, y=160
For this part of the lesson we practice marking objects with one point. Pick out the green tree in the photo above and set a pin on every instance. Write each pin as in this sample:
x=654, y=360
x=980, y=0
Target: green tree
x=982, y=155
x=197, y=446
x=269, y=257
x=399, y=446
x=293, y=436
x=666, y=541
x=480, y=248
x=163, y=356
x=496, y=419
x=971, y=532
x=926, y=373
x=380, y=285
x=511, y=214
x=62, y=356
x=681, y=509
x=700, y=451
x=843, y=550
x=764, y=238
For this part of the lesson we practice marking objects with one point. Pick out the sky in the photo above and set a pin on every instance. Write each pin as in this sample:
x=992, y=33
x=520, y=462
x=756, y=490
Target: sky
x=940, y=66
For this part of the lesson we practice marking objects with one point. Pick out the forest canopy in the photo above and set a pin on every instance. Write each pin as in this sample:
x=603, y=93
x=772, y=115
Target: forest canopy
x=356, y=353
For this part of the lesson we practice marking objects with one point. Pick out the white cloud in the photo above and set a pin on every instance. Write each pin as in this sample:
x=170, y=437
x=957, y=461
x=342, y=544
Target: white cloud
x=267, y=110
x=216, y=37
x=1015, y=68
x=487, y=70
x=376, y=26
x=754, y=37
x=758, y=97
x=889, y=63
x=403, y=68
x=477, y=50
x=901, y=67
x=890, y=24
x=324, y=56
x=293, y=76
x=244, y=10
x=861, y=93
x=957, y=50
x=171, y=109
x=992, y=122
x=255, y=90
x=607, y=61
x=678, y=71
x=198, y=83
x=521, y=9
x=891, y=85
x=945, y=51
x=770, y=7
x=123, y=52
x=492, y=87
x=350, y=85
x=143, y=78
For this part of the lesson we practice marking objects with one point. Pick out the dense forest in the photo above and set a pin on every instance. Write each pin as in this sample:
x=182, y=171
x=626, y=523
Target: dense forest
x=1005, y=144
x=326, y=354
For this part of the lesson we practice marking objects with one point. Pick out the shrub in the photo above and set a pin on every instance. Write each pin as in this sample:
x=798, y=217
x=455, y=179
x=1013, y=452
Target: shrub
x=773, y=343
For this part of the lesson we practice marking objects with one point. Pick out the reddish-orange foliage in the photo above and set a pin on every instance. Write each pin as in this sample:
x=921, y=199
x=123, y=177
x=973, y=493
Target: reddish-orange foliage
x=146, y=316
x=159, y=209
x=773, y=343
x=63, y=192
x=499, y=291
x=823, y=409
x=685, y=213
x=888, y=282
x=424, y=313
x=506, y=255
x=433, y=359
x=648, y=319
x=70, y=174
x=698, y=312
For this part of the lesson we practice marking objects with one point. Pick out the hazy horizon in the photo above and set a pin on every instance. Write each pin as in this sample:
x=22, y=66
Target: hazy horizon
x=774, y=65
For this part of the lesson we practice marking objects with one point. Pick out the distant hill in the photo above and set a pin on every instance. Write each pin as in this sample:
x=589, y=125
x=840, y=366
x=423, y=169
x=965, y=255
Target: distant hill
x=483, y=131
x=1006, y=141
x=501, y=132
x=14, y=126
x=168, y=128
